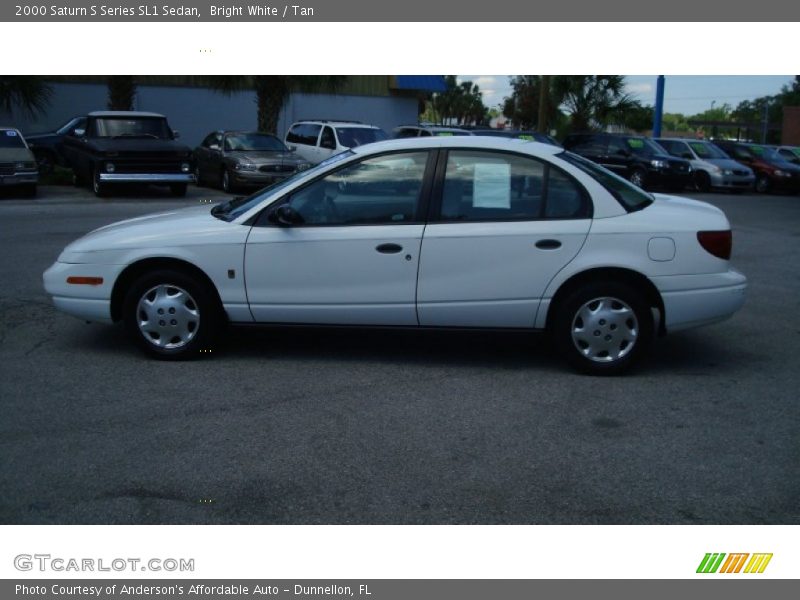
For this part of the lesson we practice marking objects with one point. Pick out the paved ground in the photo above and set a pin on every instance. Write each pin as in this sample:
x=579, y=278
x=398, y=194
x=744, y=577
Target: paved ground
x=321, y=426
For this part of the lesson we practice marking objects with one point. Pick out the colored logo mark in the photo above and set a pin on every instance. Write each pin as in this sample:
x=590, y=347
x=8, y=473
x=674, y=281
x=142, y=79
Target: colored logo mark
x=719, y=562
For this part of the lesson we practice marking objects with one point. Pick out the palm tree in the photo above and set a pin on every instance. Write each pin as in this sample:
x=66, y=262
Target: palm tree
x=121, y=92
x=272, y=91
x=25, y=94
x=593, y=101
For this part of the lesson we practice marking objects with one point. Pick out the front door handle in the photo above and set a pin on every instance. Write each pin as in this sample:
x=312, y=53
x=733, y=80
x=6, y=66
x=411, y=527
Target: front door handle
x=389, y=248
x=548, y=244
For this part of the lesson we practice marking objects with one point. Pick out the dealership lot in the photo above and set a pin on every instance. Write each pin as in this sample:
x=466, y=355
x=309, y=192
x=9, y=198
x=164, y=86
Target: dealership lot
x=333, y=426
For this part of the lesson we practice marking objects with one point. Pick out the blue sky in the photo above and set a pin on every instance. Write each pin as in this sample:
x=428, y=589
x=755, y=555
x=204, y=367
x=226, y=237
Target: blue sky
x=687, y=94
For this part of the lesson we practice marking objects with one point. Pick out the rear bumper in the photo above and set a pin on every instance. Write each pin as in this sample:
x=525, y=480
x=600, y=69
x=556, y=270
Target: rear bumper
x=695, y=300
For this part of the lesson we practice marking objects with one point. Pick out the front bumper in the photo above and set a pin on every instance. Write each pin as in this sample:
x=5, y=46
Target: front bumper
x=20, y=178
x=87, y=302
x=257, y=178
x=695, y=300
x=731, y=182
x=157, y=178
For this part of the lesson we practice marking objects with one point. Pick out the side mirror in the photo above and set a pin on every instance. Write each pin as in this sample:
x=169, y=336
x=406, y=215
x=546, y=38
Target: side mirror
x=176, y=134
x=79, y=133
x=285, y=216
x=291, y=147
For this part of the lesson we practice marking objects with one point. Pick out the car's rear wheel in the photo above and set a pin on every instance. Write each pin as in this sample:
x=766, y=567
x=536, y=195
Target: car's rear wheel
x=171, y=316
x=762, y=184
x=637, y=178
x=702, y=181
x=603, y=328
x=29, y=190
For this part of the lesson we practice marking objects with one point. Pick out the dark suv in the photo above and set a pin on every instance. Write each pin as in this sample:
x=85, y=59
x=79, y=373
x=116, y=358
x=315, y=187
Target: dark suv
x=638, y=159
x=119, y=147
x=773, y=172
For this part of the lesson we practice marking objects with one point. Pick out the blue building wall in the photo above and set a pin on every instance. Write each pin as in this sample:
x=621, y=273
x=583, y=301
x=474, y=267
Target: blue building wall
x=197, y=111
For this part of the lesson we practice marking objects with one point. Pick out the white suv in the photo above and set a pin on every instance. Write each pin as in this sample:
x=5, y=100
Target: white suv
x=317, y=140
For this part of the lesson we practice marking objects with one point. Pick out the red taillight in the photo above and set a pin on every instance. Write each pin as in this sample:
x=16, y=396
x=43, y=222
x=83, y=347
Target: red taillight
x=718, y=243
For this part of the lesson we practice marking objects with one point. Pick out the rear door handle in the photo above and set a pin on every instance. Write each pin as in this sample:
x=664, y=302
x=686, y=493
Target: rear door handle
x=548, y=244
x=389, y=248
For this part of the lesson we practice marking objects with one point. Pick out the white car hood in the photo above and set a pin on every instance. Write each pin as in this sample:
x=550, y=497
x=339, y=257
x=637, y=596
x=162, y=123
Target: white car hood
x=188, y=226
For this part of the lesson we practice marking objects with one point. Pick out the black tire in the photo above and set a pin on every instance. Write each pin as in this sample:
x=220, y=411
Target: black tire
x=702, y=182
x=227, y=183
x=568, y=327
x=638, y=177
x=46, y=161
x=762, y=184
x=178, y=189
x=29, y=190
x=100, y=189
x=194, y=324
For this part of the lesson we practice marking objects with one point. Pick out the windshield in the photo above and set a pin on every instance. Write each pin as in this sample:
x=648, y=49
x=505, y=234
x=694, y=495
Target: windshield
x=232, y=209
x=358, y=136
x=765, y=153
x=631, y=197
x=643, y=147
x=10, y=139
x=707, y=150
x=254, y=142
x=70, y=125
x=149, y=127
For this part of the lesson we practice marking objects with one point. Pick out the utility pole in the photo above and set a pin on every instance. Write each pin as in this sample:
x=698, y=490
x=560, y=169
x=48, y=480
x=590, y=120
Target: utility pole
x=659, y=110
x=544, y=96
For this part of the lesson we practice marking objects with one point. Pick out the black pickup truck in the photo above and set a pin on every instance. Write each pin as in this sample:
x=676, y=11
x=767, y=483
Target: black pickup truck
x=118, y=147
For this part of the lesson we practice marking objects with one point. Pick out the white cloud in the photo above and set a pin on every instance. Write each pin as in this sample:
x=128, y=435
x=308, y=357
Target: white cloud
x=640, y=88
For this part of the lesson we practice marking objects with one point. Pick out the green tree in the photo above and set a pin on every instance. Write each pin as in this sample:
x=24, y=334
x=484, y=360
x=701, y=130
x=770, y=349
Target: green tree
x=24, y=94
x=121, y=92
x=522, y=107
x=272, y=91
x=593, y=101
x=460, y=103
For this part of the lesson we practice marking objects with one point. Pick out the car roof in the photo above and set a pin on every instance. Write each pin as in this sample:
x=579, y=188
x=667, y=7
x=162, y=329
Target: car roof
x=123, y=113
x=241, y=131
x=336, y=123
x=465, y=141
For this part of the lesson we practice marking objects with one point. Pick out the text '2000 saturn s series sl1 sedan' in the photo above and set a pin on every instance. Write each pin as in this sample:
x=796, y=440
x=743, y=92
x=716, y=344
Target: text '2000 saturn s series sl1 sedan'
x=440, y=232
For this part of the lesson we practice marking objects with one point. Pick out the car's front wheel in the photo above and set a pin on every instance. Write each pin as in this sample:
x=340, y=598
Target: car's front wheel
x=170, y=315
x=227, y=182
x=99, y=187
x=762, y=184
x=603, y=328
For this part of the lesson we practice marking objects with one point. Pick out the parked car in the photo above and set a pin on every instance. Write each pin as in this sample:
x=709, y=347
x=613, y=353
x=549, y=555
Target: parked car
x=424, y=130
x=789, y=153
x=118, y=147
x=773, y=172
x=17, y=163
x=638, y=159
x=317, y=140
x=236, y=159
x=431, y=232
x=48, y=147
x=713, y=169
x=531, y=136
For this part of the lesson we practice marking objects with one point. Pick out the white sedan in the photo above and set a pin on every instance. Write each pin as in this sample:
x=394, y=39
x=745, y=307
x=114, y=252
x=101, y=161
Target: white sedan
x=468, y=232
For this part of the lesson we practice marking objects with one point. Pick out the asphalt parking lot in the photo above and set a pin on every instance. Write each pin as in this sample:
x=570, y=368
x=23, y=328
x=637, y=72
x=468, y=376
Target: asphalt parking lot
x=328, y=426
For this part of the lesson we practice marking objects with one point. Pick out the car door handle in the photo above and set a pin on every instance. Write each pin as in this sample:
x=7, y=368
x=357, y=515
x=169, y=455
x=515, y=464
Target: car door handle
x=389, y=248
x=548, y=244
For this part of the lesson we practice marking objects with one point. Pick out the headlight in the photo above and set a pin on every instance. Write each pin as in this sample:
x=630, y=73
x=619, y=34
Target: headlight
x=303, y=166
x=659, y=164
x=716, y=169
x=185, y=167
x=245, y=167
x=779, y=173
x=110, y=167
x=727, y=172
